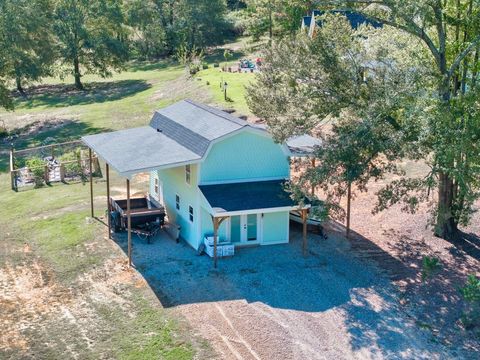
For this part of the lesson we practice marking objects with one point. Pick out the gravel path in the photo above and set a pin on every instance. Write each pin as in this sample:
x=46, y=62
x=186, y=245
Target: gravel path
x=271, y=303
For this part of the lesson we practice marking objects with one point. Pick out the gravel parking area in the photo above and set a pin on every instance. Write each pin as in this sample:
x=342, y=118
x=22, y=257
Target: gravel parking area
x=271, y=303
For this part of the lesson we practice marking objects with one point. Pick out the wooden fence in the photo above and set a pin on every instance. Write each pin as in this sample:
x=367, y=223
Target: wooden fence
x=54, y=169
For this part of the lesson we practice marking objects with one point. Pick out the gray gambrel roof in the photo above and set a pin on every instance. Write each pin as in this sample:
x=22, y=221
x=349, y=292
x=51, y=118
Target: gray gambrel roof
x=179, y=134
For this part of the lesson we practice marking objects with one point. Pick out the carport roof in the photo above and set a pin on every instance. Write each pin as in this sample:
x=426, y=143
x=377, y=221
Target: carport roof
x=139, y=149
x=245, y=196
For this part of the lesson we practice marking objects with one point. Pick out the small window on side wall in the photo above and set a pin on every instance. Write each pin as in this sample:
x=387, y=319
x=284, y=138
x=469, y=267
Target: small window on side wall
x=187, y=174
x=190, y=213
x=155, y=186
x=177, y=202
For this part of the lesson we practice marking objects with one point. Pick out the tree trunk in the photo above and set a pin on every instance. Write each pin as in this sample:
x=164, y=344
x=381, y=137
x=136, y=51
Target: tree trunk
x=76, y=74
x=446, y=227
x=18, y=80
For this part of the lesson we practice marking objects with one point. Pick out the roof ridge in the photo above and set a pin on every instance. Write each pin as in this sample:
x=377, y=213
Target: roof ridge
x=218, y=112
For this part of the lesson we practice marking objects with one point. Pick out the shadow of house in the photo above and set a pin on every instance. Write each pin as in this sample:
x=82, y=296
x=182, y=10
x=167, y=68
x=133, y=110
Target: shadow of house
x=67, y=95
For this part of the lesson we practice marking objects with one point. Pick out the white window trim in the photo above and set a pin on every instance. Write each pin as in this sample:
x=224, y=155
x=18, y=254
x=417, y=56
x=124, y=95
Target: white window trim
x=177, y=203
x=189, y=174
x=191, y=214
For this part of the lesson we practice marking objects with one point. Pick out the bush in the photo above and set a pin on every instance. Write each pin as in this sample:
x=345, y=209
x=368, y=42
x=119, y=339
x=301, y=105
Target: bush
x=3, y=133
x=430, y=265
x=71, y=163
x=204, y=66
x=37, y=167
x=216, y=65
x=471, y=293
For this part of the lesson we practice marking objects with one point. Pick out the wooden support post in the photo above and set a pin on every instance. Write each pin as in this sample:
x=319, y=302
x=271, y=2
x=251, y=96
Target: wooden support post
x=313, y=186
x=305, y=239
x=216, y=224
x=46, y=174
x=349, y=199
x=215, y=240
x=62, y=172
x=129, y=222
x=108, y=202
x=91, y=180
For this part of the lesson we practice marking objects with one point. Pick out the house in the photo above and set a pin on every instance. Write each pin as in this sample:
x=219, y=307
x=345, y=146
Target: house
x=214, y=173
x=311, y=23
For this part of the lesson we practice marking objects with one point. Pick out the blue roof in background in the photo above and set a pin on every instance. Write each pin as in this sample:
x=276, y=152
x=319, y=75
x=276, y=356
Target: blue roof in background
x=307, y=20
x=247, y=196
x=355, y=19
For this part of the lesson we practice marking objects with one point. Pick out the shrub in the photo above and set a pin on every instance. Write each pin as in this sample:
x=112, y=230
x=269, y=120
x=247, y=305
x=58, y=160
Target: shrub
x=37, y=167
x=204, y=66
x=71, y=163
x=216, y=65
x=3, y=133
x=430, y=265
x=471, y=293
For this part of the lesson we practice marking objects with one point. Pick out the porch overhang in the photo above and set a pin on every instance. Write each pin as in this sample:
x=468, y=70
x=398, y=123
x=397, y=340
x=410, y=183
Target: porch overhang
x=254, y=197
x=138, y=150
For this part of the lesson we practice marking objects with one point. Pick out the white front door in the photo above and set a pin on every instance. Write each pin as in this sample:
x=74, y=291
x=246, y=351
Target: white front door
x=250, y=228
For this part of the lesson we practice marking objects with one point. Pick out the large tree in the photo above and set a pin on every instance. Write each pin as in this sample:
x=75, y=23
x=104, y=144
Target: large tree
x=91, y=35
x=450, y=33
x=27, y=38
x=305, y=82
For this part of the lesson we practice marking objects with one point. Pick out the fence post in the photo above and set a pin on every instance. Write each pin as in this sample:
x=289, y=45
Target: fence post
x=62, y=172
x=13, y=178
x=47, y=175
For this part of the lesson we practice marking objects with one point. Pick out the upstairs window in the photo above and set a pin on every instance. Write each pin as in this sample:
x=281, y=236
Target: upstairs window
x=190, y=213
x=155, y=186
x=177, y=202
x=187, y=174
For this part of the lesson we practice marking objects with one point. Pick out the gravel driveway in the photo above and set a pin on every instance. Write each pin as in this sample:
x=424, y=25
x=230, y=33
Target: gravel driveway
x=271, y=303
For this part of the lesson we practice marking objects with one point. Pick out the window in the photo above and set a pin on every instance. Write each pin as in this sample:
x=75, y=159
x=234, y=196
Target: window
x=177, y=202
x=190, y=213
x=187, y=174
x=155, y=186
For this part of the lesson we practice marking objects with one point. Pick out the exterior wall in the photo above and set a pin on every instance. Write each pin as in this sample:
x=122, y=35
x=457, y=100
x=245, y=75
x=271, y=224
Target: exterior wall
x=245, y=157
x=207, y=226
x=173, y=181
x=276, y=228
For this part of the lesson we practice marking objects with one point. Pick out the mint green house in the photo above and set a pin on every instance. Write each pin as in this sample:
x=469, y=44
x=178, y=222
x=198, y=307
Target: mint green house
x=214, y=173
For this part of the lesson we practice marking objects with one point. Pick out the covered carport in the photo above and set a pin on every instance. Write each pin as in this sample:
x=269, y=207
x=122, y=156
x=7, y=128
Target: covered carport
x=130, y=152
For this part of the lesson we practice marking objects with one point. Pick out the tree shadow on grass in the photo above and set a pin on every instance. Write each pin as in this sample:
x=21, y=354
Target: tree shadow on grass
x=49, y=132
x=60, y=95
x=216, y=56
x=150, y=65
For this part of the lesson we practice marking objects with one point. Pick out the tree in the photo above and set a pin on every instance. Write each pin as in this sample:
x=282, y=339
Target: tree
x=304, y=81
x=91, y=36
x=450, y=33
x=28, y=43
x=275, y=16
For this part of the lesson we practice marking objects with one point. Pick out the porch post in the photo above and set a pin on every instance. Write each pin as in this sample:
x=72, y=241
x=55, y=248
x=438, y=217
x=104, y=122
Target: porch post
x=305, y=240
x=215, y=235
x=129, y=221
x=313, y=186
x=90, y=178
x=107, y=172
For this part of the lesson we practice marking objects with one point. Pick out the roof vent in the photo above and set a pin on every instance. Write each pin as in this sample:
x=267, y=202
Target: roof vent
x=159, y=130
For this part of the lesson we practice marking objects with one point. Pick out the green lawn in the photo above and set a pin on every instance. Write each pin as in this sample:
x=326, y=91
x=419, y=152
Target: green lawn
x=74, y=297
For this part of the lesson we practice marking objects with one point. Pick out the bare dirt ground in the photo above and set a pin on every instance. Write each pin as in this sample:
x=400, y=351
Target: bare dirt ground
x=272, y=303
x=435, y=304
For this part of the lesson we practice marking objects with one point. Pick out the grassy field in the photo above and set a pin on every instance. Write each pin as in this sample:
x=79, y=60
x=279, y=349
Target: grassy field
x=65, y=292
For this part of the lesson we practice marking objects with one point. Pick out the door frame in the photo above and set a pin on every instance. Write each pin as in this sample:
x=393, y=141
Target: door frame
x=244, y=229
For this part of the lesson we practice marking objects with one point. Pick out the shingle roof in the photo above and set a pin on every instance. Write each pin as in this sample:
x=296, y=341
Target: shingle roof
x=306, y=21
x=143, y=148
x=247, y=196
x=355, y=19
x=206, y=121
